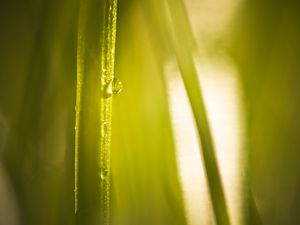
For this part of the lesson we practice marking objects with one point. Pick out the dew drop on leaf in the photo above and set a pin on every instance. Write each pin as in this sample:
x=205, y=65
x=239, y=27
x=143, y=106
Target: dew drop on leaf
x=104, y=174
x=104, y=128
x=113, y=87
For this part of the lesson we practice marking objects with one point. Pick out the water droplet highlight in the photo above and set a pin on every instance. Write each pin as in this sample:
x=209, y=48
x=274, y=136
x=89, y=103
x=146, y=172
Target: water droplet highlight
x=113, y=87
x=104, y=128
x=104, y=174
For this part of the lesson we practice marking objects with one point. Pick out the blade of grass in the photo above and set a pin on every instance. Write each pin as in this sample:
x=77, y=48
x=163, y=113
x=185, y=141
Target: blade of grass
x=96, y=50
x=178, y=33
x=35, y=111
x=143, y=145
x=190, y=79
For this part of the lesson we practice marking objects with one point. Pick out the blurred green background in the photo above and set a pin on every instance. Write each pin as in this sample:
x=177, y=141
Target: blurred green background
x=258, y=39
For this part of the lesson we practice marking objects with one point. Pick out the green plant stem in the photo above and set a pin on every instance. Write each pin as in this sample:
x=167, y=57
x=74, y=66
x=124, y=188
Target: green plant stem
x=179, y=36
x=95, y=65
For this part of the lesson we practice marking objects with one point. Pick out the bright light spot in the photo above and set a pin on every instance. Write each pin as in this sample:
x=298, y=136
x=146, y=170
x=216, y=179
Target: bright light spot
x=211, y=18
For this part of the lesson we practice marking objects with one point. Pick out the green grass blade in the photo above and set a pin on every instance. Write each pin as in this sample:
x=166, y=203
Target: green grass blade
x=146, y=187
x=96, y=50
x=181, y=45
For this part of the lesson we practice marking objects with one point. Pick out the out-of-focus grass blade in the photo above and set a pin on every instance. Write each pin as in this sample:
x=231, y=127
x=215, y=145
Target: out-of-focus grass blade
x=178, y=33
x=146, y=188
x=30, y=161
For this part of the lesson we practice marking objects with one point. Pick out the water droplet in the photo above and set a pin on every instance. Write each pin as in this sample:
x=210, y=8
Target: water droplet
x=104, y=128
x=117, y=86
x=104, y=174
x=113, y=87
